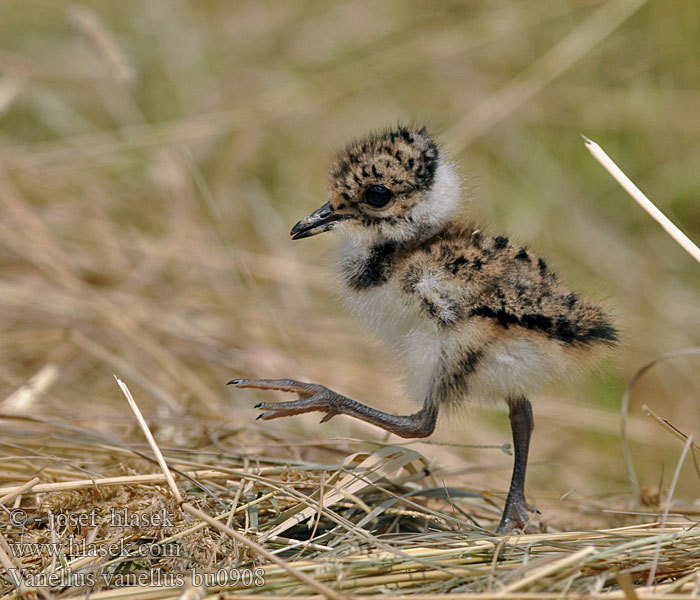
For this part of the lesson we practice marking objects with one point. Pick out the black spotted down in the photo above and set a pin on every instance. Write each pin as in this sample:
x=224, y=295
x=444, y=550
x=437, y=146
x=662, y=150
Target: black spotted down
x=523, y=255
x=425, y=173
x=374, y=270
x=483, y=276
x=559, y=328
x=453, y=379
x=422, y=166
x=500, y=242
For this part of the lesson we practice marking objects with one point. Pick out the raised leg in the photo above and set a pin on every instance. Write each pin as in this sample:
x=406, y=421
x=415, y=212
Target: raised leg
x=515, y=514
x=313, y=397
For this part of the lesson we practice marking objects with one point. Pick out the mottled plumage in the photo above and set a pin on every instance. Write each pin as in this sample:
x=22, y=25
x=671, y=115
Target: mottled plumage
x=470, y=315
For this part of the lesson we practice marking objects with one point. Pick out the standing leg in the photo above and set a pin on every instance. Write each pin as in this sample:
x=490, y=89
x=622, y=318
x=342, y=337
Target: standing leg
x=515, y=514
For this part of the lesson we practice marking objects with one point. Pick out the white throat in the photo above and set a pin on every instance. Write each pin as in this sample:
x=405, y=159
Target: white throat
x=443, y=198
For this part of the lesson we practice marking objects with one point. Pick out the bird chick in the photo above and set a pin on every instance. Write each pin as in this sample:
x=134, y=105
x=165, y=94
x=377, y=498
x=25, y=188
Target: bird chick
x=470, y=315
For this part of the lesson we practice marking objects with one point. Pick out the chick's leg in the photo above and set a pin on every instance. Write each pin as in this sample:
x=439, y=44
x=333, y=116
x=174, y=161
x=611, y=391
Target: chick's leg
x=317, y=398
x=515, y=514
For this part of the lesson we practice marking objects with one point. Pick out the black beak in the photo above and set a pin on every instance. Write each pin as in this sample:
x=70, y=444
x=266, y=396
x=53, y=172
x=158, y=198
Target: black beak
x=322, y=219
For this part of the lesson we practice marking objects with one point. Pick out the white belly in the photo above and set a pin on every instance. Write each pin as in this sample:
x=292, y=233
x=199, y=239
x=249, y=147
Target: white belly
x=413, y=339
x=510, y=368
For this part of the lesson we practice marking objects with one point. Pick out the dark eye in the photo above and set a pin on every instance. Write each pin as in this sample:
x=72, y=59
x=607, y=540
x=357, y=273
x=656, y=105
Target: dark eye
x=377, y=196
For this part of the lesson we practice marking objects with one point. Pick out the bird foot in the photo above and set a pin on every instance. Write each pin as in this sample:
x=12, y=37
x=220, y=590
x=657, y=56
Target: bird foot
x=312, y=398
x=516, y=516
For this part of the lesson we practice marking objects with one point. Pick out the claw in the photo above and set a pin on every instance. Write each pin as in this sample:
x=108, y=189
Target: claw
x=237, y=382
x=327, y=417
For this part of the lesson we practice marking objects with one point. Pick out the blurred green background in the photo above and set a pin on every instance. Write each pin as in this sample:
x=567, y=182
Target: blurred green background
x=154, y=156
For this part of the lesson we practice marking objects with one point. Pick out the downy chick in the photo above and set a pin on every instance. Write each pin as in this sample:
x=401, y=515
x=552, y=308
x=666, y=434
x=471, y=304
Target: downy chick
x=470, y=315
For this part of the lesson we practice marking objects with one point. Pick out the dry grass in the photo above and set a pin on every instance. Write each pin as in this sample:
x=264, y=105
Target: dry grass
x=153, y=158
x=377, y=522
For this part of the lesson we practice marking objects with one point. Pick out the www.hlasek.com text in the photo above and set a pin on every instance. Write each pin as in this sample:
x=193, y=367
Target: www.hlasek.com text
x=82, y=548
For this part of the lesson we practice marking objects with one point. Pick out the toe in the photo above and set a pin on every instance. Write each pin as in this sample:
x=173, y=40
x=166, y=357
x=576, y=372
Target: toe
x=271, y=414
x=282, y=385
x=515, y=518
x=328, y=416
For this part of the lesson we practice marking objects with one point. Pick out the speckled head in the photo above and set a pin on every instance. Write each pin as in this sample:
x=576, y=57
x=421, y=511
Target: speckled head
x=393, y=186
